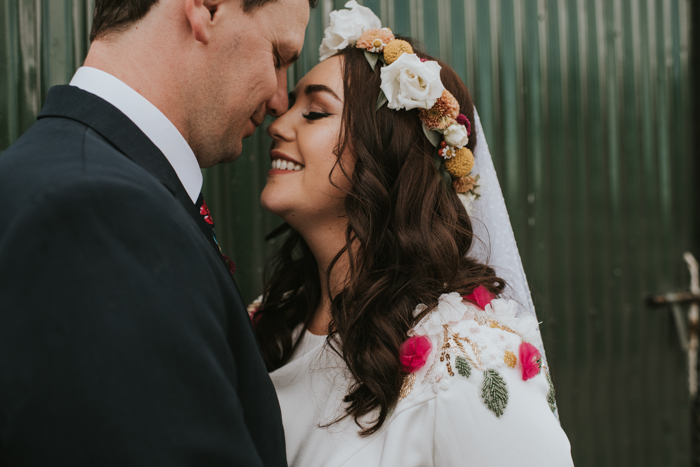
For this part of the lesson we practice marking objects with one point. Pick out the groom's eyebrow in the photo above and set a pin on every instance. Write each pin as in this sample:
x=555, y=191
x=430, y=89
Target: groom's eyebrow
x=312, y=88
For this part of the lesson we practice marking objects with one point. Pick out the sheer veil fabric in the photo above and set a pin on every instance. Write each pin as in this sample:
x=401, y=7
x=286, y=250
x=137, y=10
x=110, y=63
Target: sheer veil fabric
x=494, y=242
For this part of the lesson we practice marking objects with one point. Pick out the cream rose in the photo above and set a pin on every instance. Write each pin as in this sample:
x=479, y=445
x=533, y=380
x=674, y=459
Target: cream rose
x=456, y=135
x=409, y=83
x=346, y=28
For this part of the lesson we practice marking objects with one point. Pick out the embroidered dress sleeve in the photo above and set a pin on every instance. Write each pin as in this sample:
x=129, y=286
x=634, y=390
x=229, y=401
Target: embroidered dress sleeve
x=494, y=402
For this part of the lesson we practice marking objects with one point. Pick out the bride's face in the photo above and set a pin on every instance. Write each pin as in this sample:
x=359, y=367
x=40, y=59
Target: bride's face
x=298, y=186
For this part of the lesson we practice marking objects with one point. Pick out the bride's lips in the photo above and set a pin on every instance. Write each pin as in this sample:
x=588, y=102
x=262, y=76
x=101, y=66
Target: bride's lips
x=277, y=154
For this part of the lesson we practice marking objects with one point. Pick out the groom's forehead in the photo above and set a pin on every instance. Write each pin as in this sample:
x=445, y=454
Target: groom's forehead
x=284, y=15
x=284, y=22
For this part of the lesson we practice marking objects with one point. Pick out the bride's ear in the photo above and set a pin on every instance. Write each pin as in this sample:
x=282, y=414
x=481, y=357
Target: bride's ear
x=200, y=15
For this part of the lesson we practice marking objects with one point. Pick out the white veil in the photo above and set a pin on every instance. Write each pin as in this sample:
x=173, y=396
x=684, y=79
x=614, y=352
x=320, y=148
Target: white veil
x=494, y=242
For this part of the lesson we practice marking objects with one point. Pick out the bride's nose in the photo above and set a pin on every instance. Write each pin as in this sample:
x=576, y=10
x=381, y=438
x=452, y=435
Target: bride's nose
x=281, y=128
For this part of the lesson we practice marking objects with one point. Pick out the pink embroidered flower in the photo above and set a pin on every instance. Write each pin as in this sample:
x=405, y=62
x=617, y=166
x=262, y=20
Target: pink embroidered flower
x=481, y=296
x=531, y=360
x=414, y=353
x=204, y=211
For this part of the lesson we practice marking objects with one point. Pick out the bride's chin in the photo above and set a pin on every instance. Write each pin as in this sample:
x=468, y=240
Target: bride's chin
x=272, y=203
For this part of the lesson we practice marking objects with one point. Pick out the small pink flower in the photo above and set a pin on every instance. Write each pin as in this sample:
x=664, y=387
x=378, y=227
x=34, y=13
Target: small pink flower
x=463, y=120
x=531, y=360
x=414, y=353
x=481, y=296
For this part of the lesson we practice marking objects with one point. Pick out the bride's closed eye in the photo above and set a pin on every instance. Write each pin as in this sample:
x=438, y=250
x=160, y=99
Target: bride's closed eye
x=316, y=115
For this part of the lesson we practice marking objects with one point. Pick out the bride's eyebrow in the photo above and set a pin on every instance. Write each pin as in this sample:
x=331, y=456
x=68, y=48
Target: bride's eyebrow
x=312, y=88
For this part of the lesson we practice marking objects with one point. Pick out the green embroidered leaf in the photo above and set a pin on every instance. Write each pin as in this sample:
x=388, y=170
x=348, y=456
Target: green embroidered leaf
x=551, y=400
x=463, y=367
x=381, y=100
x=381, y=59
x=371, y=59
x=433, y=136
x=494, y=392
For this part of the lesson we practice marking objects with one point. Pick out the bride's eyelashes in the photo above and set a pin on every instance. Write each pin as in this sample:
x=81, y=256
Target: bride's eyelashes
x=316, y=115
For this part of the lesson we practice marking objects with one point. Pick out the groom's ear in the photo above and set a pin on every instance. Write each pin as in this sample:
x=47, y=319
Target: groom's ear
x=200, y=14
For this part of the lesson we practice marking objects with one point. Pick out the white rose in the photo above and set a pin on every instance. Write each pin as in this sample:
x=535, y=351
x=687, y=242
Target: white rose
x=346, y=28
x=456, y=135
x=409, y=83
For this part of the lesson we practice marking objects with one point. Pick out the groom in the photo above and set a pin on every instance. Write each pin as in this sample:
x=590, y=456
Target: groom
x=123, y=338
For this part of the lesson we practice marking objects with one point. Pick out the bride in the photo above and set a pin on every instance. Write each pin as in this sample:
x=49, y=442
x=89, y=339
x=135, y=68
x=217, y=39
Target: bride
x=379, y=320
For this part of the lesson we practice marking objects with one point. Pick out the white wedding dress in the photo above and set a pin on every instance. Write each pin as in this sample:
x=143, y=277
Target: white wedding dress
x=444, y=418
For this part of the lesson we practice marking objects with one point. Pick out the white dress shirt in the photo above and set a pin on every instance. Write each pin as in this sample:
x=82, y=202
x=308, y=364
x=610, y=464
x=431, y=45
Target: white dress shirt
x=149, y=119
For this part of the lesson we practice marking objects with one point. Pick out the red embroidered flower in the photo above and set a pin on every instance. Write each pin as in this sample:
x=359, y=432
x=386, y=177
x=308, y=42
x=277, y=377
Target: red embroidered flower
x=414, y=353
x=204, y=211
x=531, y=360
x=481, y=296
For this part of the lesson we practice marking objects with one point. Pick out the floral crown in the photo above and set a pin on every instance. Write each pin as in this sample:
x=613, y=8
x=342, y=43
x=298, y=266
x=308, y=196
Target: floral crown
x=408, y=82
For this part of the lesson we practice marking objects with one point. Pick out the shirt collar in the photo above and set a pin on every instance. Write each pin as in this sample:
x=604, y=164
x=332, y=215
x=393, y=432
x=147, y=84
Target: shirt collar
x=149, y=119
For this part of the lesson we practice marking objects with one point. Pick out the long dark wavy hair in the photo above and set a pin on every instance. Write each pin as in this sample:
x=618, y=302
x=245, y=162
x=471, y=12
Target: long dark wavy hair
x=407, y=242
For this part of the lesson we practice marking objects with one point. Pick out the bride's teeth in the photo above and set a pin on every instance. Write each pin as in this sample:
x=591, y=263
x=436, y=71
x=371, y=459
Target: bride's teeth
x=282, y=164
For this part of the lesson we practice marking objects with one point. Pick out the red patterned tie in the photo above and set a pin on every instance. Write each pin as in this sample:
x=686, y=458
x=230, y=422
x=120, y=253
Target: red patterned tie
x=209, y=226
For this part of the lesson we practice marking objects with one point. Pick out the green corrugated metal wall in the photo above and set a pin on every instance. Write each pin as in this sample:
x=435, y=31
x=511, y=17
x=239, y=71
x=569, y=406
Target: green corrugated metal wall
x=585, y=105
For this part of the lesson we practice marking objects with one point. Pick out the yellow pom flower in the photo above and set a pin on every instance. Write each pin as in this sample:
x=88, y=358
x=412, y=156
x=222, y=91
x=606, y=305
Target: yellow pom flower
x=461, y=163
x=394, y=49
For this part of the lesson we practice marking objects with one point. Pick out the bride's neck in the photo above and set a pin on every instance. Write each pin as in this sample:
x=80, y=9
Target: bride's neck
x=325, y=242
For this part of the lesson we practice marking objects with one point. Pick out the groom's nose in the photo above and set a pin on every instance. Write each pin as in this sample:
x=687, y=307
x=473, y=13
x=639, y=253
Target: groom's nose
x=279, y=102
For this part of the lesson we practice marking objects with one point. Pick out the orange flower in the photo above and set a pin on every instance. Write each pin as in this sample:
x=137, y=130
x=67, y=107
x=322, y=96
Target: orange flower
x=442, y=114
x=463, y=184
x=375, y=40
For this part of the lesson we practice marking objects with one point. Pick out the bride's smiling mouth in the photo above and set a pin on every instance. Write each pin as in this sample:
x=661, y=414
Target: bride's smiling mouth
x=282, y=163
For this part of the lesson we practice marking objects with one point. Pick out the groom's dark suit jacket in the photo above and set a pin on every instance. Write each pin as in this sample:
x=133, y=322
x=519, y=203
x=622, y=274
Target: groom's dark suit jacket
x=123, y=338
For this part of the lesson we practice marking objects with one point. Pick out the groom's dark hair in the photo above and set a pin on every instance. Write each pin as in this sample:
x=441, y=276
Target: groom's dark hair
x=116, y=15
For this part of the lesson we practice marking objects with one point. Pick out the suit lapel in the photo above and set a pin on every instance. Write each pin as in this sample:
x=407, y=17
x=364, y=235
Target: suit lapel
x=109, y=122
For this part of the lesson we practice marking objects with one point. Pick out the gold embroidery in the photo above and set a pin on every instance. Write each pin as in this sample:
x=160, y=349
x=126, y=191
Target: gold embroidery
x=510, y=359
x=407, y=386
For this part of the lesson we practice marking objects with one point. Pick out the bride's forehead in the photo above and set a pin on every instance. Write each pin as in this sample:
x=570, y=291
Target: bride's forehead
x=329, y=73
